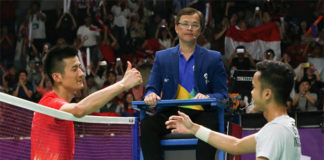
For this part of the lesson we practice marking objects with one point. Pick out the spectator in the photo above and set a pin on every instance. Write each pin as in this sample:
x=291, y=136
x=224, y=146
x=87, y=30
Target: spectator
x=309, y=73
x=145, y=66
x=8, y=13
x=89, y=37
x=266, y=17
x=82, y=8
x=112, y=107
x=34, y=72
x=108, y=45
x=303, y=29
x=45, y=85
x=9, y=79
x=151, y=46
x=45, y=50
x=136, y=28
x=257, y=17
x=37, y=20
x=91, y=84
x=23, y=89
x=296, y=51
x=7, y=42
x=304, y=100
x=241, y=59
x=111, y=78
x=32, y=52
x=241, y=25
x=286, y=59
x=66, y=27
x=120, y=12
x=152, y=25
x=268, y=54
x=219, y=35
x=127, y=110
x=204, y=42
x=164, y=35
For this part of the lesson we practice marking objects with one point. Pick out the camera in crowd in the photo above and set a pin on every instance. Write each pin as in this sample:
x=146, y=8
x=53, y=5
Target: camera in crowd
x=269, y=54
x=240, y=49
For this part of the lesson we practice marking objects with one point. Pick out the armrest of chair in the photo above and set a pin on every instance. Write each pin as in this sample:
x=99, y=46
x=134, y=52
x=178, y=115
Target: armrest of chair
x=219, y=105
x=139, y=105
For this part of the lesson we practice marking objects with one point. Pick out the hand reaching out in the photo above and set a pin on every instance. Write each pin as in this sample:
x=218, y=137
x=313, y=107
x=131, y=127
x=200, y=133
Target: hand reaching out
x=180, y=124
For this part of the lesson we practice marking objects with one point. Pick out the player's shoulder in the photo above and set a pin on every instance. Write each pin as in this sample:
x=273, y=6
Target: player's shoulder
x=47, y=97
x=50, y=99
x=279, y=127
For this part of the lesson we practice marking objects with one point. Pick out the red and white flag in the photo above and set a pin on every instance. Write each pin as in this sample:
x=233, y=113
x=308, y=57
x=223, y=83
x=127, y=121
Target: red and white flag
x=256, y=40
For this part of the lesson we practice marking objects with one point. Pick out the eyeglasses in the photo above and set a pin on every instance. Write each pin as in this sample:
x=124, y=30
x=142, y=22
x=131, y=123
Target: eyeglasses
x=186, y=25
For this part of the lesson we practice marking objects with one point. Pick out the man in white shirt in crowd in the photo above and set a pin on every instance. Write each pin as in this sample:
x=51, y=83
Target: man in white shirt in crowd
x=88, y=34
x=37, y=23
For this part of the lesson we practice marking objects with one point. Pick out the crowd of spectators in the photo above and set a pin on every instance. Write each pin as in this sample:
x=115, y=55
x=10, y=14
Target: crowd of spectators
x=108, y=33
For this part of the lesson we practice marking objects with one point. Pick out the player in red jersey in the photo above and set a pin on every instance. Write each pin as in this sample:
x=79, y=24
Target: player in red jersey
x=52, y=138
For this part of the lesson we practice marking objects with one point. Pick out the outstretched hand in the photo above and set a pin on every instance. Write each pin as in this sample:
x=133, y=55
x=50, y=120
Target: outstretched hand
x=180, y=124
x=132, y=77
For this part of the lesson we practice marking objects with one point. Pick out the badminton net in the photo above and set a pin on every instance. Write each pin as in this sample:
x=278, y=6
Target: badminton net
x=96, y=137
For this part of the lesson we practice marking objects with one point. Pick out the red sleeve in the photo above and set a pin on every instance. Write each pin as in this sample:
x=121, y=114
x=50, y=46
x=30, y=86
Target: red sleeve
x=52, y=101
x=58, y=103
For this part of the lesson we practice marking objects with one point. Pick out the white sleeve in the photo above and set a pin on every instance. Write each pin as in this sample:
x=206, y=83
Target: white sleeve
x=79, y=32
x=269, y=141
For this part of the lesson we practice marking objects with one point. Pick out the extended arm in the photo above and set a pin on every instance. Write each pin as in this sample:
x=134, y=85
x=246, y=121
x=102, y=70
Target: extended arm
x=97, y=99
x=183, y=124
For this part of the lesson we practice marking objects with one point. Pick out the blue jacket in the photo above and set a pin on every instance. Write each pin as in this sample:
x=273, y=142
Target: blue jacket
x=210, y=76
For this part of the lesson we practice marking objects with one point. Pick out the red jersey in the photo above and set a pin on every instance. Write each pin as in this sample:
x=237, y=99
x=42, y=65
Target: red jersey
x=51, y=138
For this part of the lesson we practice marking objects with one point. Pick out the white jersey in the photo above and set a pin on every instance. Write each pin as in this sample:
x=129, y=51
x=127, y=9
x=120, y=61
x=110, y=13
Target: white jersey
x=38, y=27
x=279, y=140
x=88, y=35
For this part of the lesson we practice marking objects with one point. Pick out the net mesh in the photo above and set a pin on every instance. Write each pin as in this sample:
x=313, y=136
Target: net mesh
x=100, y=138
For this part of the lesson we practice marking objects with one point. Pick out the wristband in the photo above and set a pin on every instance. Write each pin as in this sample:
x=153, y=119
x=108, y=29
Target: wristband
x=203, y=133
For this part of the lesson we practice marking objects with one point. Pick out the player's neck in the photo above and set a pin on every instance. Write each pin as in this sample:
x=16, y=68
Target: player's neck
x=61, y=92
x=273, y=111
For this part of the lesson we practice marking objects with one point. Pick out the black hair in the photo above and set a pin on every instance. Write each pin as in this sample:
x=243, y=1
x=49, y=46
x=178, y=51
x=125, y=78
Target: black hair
x=22, y=71
x=125, y=101
x=35, y=3
x=240, y=46
x=53, y=60
x=277, y=76
x=268, y=53
x=191, y=11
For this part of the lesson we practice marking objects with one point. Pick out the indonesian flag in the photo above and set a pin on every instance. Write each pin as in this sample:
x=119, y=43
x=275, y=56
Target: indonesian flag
x=256, y=40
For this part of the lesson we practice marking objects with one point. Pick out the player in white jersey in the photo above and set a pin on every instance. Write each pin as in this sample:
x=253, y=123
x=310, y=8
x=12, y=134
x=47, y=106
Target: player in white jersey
x=278, y=139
